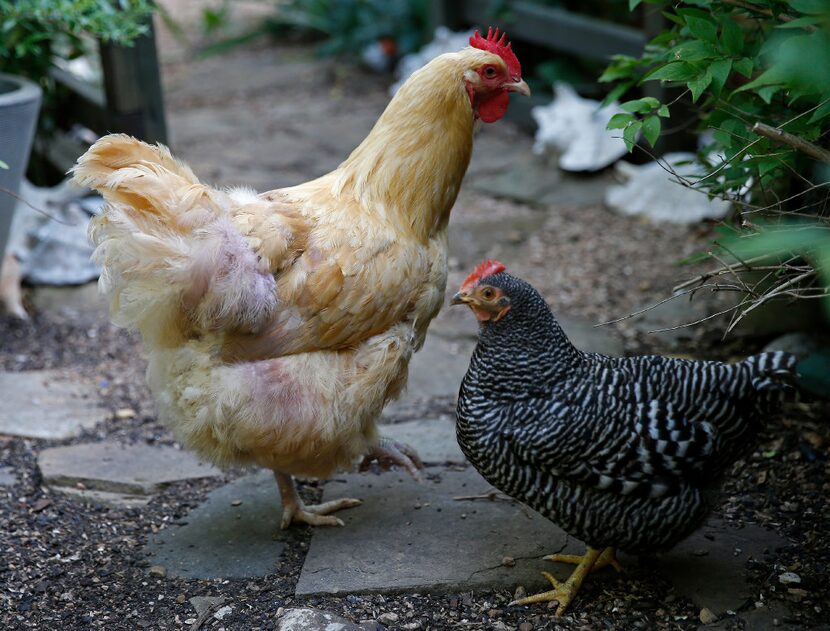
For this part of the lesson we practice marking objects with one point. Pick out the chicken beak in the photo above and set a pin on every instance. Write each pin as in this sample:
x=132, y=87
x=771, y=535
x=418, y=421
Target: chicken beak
x=519, y=86
x=461, y=298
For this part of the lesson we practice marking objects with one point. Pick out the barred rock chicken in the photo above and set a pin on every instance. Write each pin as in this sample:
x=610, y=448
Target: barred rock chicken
x=278, y=325
x=619, y=452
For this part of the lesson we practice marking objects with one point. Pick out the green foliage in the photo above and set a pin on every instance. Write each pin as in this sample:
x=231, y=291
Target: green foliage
x=347, y=27
x=4, y=166
x=766, y=61
x=738, y=63
x=351, y=25
x=34, y=33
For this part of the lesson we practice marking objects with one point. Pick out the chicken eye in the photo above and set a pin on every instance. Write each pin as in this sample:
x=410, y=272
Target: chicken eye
x=489, y=72
x=487, y=294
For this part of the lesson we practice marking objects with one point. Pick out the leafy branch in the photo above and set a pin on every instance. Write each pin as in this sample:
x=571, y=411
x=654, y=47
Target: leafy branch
x=757, y=76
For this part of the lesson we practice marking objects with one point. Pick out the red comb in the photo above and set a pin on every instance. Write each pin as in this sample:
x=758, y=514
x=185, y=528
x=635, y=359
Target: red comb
x=486, y=268
x=499, y=46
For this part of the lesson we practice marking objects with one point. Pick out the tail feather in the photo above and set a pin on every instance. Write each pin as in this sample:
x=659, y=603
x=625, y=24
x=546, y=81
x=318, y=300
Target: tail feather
x=172, y=259
x=774, y=370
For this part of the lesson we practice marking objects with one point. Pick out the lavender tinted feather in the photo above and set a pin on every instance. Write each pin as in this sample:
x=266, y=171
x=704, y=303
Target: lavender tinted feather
x=621, y=452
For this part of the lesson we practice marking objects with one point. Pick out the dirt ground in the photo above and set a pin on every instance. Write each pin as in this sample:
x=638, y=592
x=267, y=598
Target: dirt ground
x=74, y=566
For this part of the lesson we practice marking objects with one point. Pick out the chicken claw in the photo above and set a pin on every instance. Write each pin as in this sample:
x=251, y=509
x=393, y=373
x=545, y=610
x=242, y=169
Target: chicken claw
x=294, y=511
x=389, y=452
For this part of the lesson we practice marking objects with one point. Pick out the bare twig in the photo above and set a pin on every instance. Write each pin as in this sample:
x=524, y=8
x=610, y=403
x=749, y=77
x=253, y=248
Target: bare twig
x=765, y=298
x=37, y=210
x=492, y=494
x=796, y=142
x=753, y=8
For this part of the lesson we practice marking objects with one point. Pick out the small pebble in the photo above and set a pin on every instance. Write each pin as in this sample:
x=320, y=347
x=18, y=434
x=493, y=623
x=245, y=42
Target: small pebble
x=236, y=503
x=508, y=561
x=158, y=570
x=221, y=613
x=519, y=593
x=525, y=626
x=125, y=413
x=180, y=599
x=789, y=578
x=706, y=616
x=388, y=618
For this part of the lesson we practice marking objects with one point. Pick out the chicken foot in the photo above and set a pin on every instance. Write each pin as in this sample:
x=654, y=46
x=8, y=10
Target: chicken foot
x=389, y=452
x=608, y=557
x=564, y=593
x=294, y=511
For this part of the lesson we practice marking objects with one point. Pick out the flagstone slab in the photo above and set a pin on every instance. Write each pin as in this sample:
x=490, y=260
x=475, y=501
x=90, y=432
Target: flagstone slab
x=709, y=567
x=433, y=439
x=46, y=404
x=415, y=537
x=115, y=468
x=233, y=534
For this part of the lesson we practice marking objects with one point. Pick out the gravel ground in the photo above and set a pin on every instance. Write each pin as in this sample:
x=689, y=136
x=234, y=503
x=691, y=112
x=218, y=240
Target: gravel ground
x=72, y=566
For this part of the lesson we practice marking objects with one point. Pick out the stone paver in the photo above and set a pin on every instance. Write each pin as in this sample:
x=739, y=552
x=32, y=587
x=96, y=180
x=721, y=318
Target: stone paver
x=709, y=566
x=433, y=439
x=115, y=468
x=45, y=404
x=410, y=536
x=527, y=180
x=231, y=535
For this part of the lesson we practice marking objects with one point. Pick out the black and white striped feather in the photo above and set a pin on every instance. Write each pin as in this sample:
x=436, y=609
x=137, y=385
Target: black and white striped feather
x=619, y=452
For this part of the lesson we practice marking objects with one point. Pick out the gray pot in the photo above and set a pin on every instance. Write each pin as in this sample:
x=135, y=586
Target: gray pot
x=19, y=106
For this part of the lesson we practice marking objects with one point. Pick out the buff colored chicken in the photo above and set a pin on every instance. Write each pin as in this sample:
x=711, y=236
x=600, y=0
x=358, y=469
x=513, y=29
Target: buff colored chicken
x=278, y=325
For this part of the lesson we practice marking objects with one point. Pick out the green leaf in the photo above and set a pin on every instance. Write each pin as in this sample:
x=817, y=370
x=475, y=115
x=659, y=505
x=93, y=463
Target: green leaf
x=732, y=36
x=620, y=121
x=664, y=111
x=693, y=50
x=767, y=165
x=731, y=132
x=805, y=20
x=3, y=165
x=720, y=72
x=702, y=28
x=767, y=92
x=651, y=129
x=812, y=7
x=641, y=106
x=674, y=71
x=822, y=112
x=700, y=84
x=632, y=4
x=630, y=135
x=773, y=76
x=744, y=66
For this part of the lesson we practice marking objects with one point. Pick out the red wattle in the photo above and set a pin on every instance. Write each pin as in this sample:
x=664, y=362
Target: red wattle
x=494, y=107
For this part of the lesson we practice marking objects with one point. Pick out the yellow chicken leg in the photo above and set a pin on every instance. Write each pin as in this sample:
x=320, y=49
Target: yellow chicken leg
x=608, y=557
x=295, y=511
x=564, y=593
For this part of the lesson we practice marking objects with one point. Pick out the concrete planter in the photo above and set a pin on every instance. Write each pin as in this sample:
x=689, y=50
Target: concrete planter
x=19, y=107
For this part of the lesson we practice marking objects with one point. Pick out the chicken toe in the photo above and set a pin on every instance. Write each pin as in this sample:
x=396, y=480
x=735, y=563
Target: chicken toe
x=564, y=593
x=294, y=511
x=608, y=557
x=389, y=453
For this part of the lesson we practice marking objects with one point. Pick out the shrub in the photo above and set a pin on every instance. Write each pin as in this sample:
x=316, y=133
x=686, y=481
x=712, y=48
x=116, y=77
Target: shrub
x=757, y=72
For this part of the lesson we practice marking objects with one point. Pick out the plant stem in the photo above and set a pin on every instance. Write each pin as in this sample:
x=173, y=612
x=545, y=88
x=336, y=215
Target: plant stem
x=779, y=135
